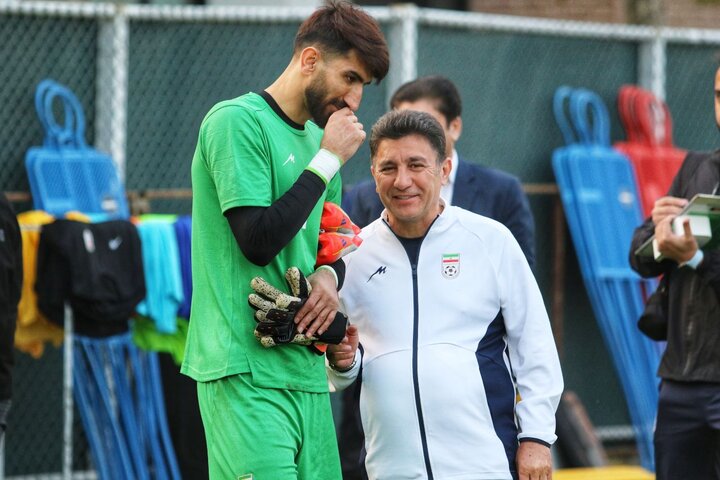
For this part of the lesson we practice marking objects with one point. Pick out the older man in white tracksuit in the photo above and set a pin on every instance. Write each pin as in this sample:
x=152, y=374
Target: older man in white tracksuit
x=460, y=375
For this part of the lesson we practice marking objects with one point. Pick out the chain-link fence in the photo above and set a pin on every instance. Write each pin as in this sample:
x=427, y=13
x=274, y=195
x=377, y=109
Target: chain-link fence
x=146, y=76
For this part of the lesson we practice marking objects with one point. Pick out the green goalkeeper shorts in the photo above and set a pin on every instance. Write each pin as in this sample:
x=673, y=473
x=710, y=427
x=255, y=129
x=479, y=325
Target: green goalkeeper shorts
x=267, y=434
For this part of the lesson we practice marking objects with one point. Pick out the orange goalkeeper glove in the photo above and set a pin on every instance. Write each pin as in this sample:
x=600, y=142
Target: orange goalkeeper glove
x=338, y=235
x=333, y=245
x=334, y=219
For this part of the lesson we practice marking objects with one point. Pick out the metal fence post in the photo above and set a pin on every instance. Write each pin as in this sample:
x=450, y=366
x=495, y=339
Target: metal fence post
x=651, y=65
x=68, y=405
x=112, y=87
x=402, y=40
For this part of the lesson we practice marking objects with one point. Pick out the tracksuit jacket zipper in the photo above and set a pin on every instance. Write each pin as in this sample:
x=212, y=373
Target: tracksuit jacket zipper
x=416, y=320
x=416, y=386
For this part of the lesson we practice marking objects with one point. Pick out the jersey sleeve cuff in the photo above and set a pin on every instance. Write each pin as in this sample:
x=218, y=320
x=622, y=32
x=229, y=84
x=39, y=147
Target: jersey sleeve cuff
x=325, y=165
x=331, y=270
x=534, y=440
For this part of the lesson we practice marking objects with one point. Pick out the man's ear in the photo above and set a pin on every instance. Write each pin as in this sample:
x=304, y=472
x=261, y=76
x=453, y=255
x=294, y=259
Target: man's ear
x=372, y=172
x=445, y=169
x=309, y=57
x=455, y=128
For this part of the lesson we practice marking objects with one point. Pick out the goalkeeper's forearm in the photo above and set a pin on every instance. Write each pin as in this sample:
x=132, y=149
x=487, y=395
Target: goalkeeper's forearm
x=261, y=232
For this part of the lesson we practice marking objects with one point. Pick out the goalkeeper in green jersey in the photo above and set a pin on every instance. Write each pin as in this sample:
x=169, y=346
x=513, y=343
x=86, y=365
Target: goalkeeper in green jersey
x=264, y=165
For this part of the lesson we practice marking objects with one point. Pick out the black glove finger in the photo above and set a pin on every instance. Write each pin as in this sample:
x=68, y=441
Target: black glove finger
x=299, y=286
x=279, y=325
x=336, y=331
x=280, y=316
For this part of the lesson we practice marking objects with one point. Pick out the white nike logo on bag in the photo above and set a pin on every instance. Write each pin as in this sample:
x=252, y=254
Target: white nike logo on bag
x=114, y=243
x=291, y=158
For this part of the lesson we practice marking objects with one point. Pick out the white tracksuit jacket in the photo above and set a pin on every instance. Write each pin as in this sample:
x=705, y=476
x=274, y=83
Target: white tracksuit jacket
x=445, y=348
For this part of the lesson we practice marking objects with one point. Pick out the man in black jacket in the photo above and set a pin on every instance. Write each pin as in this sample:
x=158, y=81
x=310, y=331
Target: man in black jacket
x=11, y=271
x=687, y=434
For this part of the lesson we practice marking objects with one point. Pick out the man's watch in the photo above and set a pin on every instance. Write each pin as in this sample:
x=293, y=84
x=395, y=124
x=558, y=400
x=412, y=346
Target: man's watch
x=346, y=369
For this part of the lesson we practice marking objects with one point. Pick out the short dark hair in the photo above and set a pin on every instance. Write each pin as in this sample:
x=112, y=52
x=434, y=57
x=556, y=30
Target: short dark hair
x=397, y=124
x=432, y=87
x=340, y=27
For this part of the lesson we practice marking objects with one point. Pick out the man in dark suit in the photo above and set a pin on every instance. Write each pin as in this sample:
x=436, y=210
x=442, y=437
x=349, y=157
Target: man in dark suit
x=480, y=189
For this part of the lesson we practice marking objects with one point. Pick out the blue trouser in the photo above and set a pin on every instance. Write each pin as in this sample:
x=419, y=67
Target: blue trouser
x=687, y=434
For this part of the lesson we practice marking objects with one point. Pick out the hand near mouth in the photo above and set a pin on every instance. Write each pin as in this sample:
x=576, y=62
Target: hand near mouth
x=343, y=134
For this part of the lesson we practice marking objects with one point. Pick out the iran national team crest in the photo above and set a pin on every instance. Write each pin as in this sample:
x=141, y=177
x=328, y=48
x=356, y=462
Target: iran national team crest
x=451, y=265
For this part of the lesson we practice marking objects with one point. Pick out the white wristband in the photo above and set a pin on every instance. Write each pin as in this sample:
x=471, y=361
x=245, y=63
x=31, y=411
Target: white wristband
x=325, y=165
x=331, y=270
x=695, y=260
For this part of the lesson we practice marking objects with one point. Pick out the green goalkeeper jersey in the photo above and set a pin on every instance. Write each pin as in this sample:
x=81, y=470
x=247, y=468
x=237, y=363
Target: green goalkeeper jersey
x=247, y=155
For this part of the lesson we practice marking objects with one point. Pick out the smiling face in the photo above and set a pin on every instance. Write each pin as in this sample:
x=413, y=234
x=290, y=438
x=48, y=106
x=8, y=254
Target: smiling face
x=408, y=178
x=337, y=82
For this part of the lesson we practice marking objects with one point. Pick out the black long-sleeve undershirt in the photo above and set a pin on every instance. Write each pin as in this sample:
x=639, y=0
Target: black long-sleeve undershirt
x=261, y=232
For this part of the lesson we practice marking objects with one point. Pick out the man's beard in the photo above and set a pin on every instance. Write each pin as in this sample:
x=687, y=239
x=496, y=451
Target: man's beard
x=317, y=103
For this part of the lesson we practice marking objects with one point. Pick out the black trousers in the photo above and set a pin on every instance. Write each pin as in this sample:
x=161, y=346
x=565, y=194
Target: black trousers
x=687, y=434
x=351, y=439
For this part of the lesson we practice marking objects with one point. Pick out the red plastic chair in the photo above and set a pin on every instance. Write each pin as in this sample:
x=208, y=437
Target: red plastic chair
x=649, y=144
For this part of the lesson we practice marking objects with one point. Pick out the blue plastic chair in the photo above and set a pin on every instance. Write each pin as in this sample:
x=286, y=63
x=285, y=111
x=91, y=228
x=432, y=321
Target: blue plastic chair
x=120, y=400
x=64, y=173
x=117, y=387
x=598, y=191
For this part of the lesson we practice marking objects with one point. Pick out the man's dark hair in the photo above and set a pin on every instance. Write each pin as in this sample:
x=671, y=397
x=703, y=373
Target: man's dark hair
x=340, y=27
x=435, y=88
x=398, y=124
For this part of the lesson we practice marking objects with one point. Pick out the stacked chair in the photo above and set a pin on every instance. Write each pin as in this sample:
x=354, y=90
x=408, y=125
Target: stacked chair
x=64, y=173
x=599, y=195
x=116, y=386
x=649, y=145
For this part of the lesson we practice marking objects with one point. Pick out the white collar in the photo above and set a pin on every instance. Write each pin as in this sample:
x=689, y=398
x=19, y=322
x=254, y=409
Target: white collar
x=454, y=169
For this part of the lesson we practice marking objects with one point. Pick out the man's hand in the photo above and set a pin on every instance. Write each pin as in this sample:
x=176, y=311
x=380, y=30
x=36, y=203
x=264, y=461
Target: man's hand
x=276, y=312
x=343, y=134
x=534, y=461
x=667, y=207
x=680, y=248
x=319, y=310
x=341, y=356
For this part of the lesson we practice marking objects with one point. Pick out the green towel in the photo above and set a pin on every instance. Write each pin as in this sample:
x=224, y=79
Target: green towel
x=146, y=337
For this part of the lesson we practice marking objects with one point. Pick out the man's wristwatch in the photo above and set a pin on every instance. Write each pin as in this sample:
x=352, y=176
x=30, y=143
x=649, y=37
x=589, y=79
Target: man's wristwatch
x=346, y=369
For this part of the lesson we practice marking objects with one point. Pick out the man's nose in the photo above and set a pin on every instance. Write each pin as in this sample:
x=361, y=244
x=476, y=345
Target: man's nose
x=353, y=97
x=403, y=178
